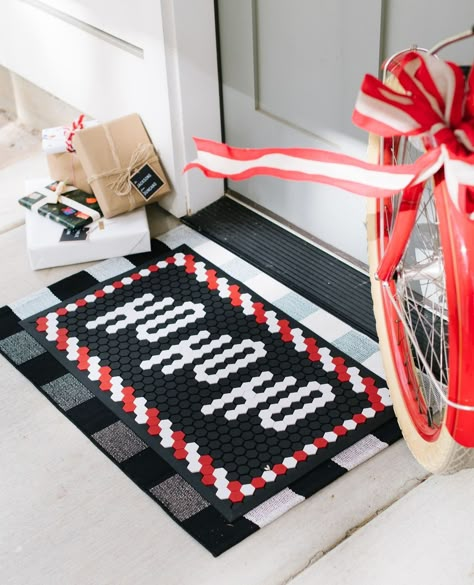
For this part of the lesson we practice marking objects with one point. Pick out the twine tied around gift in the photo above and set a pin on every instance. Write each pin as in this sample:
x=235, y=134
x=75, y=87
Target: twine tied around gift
x=121, y=183
x=71, y=178
x=143, y=153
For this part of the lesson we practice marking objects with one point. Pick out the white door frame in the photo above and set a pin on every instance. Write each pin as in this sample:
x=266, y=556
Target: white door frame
x=193, y=86
x=160, y=60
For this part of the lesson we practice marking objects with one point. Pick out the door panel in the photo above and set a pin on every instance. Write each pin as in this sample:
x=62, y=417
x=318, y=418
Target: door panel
x=290, y=74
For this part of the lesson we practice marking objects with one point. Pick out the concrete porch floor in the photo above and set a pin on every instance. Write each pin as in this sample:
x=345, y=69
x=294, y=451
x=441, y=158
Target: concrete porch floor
x=68, y=516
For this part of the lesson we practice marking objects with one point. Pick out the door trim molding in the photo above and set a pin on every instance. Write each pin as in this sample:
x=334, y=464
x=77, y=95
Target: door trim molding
x=93, y=30
x=190, y=46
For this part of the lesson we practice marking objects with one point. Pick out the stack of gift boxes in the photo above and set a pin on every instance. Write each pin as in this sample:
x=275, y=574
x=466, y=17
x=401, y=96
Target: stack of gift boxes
x=102, y=176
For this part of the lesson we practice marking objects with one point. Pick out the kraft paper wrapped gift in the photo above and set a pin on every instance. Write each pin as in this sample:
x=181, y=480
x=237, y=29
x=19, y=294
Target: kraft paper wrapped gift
x=121, y=165
x=50, y=244
x=66, y=166
x=63, y=162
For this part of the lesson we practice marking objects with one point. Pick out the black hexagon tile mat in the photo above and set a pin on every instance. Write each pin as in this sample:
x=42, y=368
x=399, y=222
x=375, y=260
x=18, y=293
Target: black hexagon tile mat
x=238, y=398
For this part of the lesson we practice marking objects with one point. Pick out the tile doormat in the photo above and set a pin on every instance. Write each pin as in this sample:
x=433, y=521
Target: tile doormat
x=222, y=408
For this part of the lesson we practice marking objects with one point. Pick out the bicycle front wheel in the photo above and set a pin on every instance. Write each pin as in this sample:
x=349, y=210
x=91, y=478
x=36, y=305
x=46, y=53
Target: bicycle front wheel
x=418, y=320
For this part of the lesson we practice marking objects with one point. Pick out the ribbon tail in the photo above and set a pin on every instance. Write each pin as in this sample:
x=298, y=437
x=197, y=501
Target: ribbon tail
x=218, y=160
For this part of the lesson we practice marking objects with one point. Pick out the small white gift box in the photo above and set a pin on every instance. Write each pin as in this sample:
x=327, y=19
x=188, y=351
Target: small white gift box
x=59, y=139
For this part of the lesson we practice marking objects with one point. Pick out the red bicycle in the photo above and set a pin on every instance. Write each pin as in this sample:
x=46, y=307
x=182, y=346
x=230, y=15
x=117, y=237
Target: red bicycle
x=421, y=257
x=420, y=184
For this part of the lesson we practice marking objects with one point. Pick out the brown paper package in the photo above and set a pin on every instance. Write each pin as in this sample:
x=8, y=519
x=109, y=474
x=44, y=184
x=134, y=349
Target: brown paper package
x=106, y=152
x=67, y=167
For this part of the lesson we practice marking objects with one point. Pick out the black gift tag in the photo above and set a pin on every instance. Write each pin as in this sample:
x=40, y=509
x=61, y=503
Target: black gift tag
x=74, y=235
x=147, y=181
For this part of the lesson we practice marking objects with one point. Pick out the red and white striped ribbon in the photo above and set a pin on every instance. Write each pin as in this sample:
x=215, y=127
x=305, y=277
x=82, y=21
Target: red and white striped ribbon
x=76, y=125
x=434, y=103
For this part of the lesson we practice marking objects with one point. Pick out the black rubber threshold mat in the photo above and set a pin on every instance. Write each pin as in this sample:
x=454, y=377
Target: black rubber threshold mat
x=321, y=278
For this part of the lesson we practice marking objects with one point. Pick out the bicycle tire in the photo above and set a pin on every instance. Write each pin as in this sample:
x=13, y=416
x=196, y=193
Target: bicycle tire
x=437, y=451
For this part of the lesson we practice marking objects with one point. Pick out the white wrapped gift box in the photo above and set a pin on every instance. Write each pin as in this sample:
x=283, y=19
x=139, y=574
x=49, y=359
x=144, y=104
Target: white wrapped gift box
x=54, y=140
x=106, y=238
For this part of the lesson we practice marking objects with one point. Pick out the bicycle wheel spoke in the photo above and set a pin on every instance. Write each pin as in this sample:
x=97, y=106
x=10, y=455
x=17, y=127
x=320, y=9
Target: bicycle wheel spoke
x=421, y=298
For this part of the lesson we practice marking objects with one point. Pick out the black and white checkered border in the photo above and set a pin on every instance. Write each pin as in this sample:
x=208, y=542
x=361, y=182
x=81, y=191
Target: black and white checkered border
x=138, y=461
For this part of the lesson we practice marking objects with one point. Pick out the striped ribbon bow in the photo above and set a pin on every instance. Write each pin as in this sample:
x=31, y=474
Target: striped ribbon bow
x=434, y=103
x=76, y=125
